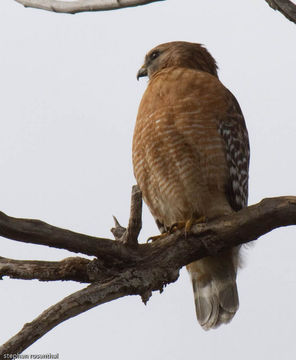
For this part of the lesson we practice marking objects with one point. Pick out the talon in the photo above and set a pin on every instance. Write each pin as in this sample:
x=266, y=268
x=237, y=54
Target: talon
x=176, y=226
x=157, y=237
x=186, y=225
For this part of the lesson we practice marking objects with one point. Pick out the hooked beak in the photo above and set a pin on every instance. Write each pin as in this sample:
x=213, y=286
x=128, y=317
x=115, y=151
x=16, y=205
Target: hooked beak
x=142, y=72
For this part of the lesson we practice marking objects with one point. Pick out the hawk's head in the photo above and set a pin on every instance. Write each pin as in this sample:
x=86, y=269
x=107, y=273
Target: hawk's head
x=179, y=54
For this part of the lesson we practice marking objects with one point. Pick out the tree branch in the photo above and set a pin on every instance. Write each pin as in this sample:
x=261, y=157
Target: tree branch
x=286, y=7
x=72, y=305
x=130, y=282
x=73, y=268
x=39, y=232
x=73, y=7
x=254, y=220
x=150, y=266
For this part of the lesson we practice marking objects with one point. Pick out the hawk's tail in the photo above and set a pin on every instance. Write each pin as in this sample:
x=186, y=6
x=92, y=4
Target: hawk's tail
x=215, y=291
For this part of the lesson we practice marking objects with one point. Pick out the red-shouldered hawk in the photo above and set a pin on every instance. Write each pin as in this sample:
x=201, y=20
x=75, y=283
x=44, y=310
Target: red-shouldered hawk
x=191, y=159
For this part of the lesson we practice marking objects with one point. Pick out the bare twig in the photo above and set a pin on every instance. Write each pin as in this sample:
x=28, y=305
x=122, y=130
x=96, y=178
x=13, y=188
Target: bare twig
x=129, y=236
x=118, y=230
x=286, y=7
x=135, y=221
x=73, y=268
x=73, y=7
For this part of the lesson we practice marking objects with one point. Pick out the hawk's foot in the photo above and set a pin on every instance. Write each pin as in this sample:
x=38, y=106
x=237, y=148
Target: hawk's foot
x=187, y=225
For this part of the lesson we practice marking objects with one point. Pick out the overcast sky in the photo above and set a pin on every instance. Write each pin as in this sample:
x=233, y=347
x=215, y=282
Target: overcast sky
x=69, y=100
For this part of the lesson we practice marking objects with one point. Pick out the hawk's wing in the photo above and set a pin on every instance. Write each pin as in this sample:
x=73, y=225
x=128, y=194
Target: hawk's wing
x=235, y=135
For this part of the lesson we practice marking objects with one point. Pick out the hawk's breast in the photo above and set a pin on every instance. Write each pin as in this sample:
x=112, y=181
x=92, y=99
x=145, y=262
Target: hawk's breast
x=178, y=154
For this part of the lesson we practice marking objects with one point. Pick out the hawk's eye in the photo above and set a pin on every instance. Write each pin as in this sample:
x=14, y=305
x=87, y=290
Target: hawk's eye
x=154, y=55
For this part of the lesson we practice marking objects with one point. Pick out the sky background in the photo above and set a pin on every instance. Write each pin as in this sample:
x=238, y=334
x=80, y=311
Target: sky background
x=68, y=103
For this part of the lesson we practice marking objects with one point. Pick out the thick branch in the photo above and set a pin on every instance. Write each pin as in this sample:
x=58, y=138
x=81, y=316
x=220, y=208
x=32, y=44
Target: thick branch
x=72, y=7
x=286, y=7
x=213, y=237
x=73, y=268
